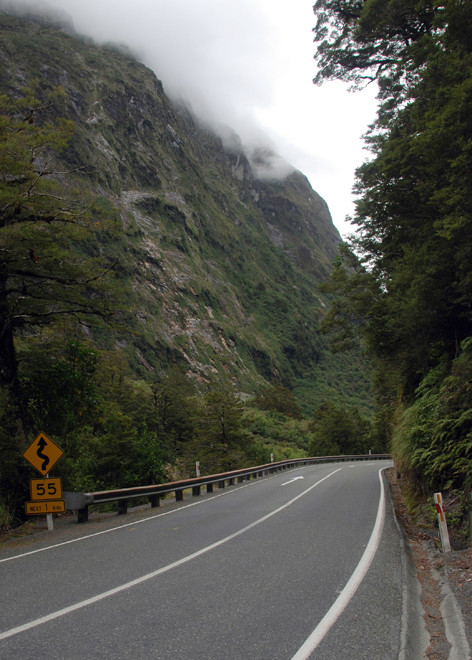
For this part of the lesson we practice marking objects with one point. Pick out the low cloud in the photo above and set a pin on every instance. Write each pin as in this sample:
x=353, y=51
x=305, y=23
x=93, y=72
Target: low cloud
x=248, y=65
x=267, y=165
x=211, y=54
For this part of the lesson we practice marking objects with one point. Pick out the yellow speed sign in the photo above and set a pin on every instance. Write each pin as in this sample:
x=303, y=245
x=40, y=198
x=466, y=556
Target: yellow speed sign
x=46, y=489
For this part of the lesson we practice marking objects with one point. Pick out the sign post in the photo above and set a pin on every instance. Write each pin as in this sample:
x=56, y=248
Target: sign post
x=46, y=493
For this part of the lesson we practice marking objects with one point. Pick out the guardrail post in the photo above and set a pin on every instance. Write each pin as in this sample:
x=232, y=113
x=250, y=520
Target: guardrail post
x=155, y=501
x=78, y=502
x=122, y=507
x=221, y=484
x=209, y=488
x=179, y=495
x=195, y=490
x=82, y=515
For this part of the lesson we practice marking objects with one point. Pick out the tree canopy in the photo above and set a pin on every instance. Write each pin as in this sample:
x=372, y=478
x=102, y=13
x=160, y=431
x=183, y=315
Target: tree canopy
x=365, y=40
x=51, y=272
x=50, y=264
x=405, y=281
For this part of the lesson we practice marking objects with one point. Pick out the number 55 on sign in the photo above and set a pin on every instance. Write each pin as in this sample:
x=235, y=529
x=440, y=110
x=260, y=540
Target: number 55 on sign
x=46, y=489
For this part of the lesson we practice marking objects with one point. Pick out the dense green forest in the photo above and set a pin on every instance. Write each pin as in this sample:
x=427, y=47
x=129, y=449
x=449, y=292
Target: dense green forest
x=404, y=281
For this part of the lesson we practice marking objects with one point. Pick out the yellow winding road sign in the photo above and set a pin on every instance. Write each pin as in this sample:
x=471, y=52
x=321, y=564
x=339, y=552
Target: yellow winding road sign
x=43, y=453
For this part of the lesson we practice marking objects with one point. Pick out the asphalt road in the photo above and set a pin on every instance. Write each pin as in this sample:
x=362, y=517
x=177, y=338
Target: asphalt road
x=306, y=563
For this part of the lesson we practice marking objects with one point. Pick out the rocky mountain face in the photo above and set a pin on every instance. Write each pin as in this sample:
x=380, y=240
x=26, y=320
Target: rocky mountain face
x=223, y=260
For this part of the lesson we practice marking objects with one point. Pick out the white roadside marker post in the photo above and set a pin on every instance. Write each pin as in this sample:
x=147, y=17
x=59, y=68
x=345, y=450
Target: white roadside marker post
x=442, y=522
x=197, y=468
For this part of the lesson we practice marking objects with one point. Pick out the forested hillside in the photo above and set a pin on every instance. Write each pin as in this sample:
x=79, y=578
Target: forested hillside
x=405, y=281
x=159, y=290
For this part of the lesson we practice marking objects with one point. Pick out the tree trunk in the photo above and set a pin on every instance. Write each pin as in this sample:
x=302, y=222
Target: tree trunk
x=9, y=382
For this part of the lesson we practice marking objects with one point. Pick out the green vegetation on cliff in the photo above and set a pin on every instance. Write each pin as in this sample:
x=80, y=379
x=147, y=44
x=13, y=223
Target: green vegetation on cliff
x=157, y=298
x=407, y=293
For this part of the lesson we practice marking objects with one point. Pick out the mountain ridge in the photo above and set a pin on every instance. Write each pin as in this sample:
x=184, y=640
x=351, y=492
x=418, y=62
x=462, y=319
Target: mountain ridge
x=225, y=267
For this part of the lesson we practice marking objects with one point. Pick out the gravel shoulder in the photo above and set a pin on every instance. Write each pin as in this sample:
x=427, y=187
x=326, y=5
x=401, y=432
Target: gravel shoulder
x=445, y=581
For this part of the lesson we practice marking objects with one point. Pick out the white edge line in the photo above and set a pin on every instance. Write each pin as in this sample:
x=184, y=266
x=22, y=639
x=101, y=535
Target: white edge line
x=340, y=604
x=164, y=569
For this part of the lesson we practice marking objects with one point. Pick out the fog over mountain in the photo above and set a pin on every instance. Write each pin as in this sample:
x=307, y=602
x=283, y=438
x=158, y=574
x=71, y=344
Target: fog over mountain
x=245, y=65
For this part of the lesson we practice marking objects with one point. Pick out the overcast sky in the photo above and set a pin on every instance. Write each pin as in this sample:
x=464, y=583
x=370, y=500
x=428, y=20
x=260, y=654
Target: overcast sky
x=247, y=64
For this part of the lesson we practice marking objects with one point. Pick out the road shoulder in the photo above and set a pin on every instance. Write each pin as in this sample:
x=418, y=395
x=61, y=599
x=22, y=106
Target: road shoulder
x=445, y=586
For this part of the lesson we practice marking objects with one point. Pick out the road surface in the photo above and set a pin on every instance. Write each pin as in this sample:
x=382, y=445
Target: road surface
x=304, y=563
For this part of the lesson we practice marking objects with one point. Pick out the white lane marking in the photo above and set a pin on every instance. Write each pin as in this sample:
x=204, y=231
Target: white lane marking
x=136, y=522
x=340, y=604
x=292, y=480
x=159, y=571
x=143, y=520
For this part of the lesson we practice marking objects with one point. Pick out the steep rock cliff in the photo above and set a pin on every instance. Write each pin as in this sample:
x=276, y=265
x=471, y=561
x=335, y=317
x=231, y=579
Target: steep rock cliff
x=224, y=263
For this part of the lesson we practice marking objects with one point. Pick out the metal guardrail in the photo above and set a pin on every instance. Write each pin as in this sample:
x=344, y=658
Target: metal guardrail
x=80, y=502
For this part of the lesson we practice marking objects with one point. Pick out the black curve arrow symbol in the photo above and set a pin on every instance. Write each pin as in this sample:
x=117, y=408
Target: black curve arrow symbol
x=41, y=445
